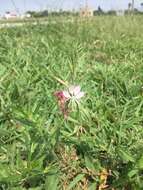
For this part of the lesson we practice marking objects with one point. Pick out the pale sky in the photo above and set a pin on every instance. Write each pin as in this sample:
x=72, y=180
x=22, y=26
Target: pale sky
x=24, y=5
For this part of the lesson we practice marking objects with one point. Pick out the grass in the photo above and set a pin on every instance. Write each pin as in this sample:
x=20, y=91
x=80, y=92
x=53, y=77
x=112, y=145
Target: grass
x=37, y=20
x=101, y=142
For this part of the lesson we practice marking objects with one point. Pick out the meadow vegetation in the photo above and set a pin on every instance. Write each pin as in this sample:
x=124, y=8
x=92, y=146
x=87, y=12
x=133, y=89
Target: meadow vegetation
x=100, y=144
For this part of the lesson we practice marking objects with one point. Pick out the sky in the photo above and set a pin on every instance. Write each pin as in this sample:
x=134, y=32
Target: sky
x=24, y=5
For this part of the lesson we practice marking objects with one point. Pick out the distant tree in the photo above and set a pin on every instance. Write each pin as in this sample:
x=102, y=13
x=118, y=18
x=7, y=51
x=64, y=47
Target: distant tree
x=137, y=12
x=32, y=13
x=111, y=12
x=54, y=13
x=44, y=13
x=37, y=14
x=99, y=11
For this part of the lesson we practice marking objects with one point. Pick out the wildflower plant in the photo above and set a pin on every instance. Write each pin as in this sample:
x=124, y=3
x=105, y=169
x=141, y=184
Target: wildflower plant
x=69, y=99
x=97, y=140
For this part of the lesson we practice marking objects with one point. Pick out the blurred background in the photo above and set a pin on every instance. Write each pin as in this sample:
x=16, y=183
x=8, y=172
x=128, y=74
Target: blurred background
x=20, y=9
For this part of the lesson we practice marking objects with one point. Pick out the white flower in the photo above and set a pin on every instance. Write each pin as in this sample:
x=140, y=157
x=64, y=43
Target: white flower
x=74, y=92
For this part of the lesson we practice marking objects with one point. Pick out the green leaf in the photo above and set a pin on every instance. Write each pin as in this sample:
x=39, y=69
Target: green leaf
x=51, y=182
x=4, y=132
x=75, y=181
x=34, y=188
x=132, y=173
x=20, y=188
x=126, y=156
x=88, y=163
x=93, y=186
x=25, y=121
x=73, y=120
x=140, y=163
x=2, y=70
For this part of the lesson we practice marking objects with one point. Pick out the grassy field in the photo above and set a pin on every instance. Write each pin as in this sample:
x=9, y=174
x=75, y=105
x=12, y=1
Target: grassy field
x=38, y=20
x=99, y=144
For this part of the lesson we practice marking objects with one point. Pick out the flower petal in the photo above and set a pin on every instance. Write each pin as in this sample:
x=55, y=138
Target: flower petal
x=79, y=95
x=66, y=94
x=59, y=95
x=71, y=90
x=76, y=90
